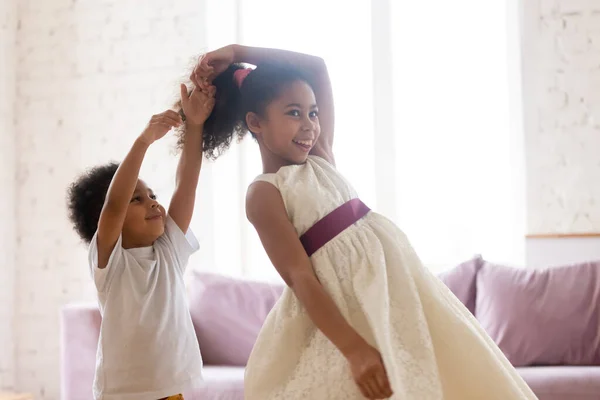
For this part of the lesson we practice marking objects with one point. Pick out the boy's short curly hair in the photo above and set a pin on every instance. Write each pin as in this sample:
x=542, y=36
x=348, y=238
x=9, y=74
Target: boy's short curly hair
x=85, y=199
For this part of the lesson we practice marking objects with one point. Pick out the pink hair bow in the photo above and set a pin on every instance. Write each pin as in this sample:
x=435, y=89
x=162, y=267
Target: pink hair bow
x=240, y=75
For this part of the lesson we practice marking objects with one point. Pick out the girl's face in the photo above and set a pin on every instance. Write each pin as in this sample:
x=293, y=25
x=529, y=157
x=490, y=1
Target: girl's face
x=290, y=126
x=145, y=218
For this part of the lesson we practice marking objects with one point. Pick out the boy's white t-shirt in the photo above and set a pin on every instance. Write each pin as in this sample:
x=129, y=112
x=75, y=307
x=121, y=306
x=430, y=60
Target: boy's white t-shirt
x=147, y=347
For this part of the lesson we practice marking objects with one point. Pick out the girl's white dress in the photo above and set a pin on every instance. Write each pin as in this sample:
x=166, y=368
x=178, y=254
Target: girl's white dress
x=432, y=347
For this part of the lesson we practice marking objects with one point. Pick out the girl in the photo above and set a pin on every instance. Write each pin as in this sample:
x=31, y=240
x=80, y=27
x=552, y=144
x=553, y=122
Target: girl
x=147, y=348
x=361, y=316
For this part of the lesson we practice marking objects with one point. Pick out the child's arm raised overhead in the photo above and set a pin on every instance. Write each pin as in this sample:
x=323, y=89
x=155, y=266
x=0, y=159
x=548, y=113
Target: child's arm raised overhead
x=266, y=211
x=315, y=69
x=197, y=107
x=124, y=182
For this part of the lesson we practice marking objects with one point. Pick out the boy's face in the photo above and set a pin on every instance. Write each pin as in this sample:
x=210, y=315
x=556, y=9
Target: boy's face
x=145, y=218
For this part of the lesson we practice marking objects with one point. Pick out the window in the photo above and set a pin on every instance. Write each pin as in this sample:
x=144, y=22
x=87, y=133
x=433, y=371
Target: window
x=434, y=85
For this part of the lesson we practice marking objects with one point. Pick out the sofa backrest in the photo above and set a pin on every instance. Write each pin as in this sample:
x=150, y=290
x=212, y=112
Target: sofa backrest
x=228, y=314
x=462, y=281
x=542, y=317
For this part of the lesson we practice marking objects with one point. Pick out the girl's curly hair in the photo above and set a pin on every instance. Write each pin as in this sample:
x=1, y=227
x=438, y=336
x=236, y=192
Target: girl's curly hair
x=232, y=103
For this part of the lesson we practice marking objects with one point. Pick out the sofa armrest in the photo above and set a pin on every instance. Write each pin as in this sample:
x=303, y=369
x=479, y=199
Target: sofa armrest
x=80, y=328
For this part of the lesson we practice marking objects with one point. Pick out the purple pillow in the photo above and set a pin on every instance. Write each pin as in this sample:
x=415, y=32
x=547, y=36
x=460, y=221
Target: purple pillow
x=228, y=314
x=542, y=317
x=461, y=281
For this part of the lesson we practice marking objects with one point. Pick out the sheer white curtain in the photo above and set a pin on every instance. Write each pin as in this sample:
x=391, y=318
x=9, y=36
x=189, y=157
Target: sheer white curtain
x=457, y=150
x=422, y=122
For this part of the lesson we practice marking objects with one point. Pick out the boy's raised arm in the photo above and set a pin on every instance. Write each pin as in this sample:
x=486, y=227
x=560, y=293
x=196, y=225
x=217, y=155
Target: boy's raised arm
x=197, y=107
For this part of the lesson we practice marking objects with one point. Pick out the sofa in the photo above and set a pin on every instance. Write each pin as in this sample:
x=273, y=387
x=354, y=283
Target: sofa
x=547, y=323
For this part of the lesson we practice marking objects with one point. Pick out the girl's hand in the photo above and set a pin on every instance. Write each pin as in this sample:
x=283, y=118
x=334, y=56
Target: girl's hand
x=198, y=105
x=212, y=64
x=159, y=125
x=369, y=372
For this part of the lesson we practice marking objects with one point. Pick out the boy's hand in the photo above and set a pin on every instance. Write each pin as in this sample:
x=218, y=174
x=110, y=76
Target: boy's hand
x=197, y=105
x=159, y=125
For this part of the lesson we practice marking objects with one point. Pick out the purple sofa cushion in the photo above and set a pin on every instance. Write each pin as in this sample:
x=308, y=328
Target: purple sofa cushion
x=228, y=314
x=461, y=280
x=542, y=317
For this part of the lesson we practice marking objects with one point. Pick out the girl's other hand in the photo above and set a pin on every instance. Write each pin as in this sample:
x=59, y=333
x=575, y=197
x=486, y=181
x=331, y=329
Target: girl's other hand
x=369, y=372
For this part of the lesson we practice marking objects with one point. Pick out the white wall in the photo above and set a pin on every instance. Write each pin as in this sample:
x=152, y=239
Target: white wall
x=8, y=227
x=90, y=75
x=561, y=57
x=562, y=110
x=551, y=252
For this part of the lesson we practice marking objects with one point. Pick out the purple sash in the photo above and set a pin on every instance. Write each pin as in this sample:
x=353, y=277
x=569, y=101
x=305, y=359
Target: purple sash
x=332, y=225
